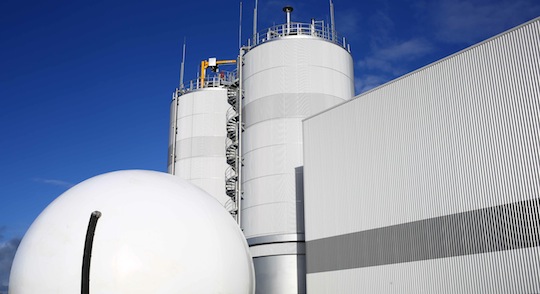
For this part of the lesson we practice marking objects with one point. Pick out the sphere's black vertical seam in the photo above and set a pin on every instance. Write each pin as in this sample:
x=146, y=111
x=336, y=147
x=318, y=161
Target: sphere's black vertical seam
x=85, y=279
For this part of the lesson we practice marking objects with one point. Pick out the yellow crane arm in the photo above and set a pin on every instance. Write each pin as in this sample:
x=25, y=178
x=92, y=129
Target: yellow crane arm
x=230, y=61
x=206, y=63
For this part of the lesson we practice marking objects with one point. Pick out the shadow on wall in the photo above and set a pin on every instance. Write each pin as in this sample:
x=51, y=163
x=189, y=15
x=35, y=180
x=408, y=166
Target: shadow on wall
x=299, y=184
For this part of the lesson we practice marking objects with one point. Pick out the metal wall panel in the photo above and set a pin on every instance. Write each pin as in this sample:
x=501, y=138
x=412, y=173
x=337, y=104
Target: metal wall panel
x=499, y=272
x=412, y=158
x=200, y=139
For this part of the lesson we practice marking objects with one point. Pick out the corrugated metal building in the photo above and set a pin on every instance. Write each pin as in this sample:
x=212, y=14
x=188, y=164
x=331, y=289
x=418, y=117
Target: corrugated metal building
x=431, y=183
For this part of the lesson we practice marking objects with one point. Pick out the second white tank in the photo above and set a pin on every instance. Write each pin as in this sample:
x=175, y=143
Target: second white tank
x=198, y=135
x=286, y=80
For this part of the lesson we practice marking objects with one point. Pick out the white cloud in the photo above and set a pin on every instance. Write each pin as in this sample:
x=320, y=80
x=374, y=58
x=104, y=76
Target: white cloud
x=395, y=50
x=377, y=63
x=390, y=59
x=409, y=49
x=367, y=82
x=390, y=54
x=54, y=182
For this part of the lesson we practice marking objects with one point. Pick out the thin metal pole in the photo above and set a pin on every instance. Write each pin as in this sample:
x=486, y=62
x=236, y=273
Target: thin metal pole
x=182, y=65
x=240, y=27
x=174, y=134
x=332, y=21
x=255, y=41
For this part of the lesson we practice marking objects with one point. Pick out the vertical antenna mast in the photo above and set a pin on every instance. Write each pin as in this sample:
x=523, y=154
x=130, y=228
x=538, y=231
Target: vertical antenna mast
x=182, y=65
x=255, y=23
x=240, y=27
x=332, y=21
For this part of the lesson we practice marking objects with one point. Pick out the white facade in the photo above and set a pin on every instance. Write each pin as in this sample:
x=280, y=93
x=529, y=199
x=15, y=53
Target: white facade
x=285, y=80
x=430, y=183
x=198, y=133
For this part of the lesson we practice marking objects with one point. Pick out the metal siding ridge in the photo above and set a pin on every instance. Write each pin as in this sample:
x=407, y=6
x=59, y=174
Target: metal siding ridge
x=491, y=112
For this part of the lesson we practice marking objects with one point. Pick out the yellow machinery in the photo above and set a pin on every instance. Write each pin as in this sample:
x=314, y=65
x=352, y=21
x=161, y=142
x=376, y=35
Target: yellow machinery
x=213, y=64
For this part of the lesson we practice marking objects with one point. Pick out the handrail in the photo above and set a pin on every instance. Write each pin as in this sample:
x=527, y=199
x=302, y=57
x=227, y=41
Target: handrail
x=213, y=63
x=315, y=29
x=229, y=143
x=213, y=80
x=231, y=113
x=230, y=173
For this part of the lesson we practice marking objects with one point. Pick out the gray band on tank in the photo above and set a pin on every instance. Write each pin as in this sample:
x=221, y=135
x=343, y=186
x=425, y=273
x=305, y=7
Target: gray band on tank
x=505, y=227
x=275, y=239
x=288, y=105
x=200, y=146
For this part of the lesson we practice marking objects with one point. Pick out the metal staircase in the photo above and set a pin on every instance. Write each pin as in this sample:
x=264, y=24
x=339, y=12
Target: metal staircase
x=233, y=144
x=232, y=149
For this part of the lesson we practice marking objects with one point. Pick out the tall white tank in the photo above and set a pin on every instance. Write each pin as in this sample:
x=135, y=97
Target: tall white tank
x=197, y=139
x=294, y=71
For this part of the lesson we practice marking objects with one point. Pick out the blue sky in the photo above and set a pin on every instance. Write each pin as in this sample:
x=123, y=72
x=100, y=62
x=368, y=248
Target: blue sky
x=85, y=87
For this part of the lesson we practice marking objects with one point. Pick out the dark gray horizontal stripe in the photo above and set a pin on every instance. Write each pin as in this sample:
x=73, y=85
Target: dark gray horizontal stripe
x=288, y=105
x=505, y=227
x=275, y=239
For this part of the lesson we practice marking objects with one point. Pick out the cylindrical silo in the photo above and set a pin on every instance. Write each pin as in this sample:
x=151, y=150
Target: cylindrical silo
x=293, y=71
x=197, y=139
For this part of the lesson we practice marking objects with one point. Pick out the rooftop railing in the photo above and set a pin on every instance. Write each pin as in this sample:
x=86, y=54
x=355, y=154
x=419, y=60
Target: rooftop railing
x=318, y=29
x=315, y=28
x=212, y=80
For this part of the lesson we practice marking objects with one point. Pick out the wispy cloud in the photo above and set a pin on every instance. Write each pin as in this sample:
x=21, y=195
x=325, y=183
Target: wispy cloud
x=382, y=27
x=54, y=182
x=348, y=24
x=368, y=82
x=469, y=21
x=388, y=62
x=7, y=253
x=408, y=49
x=391, y=51
x=387, y=59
